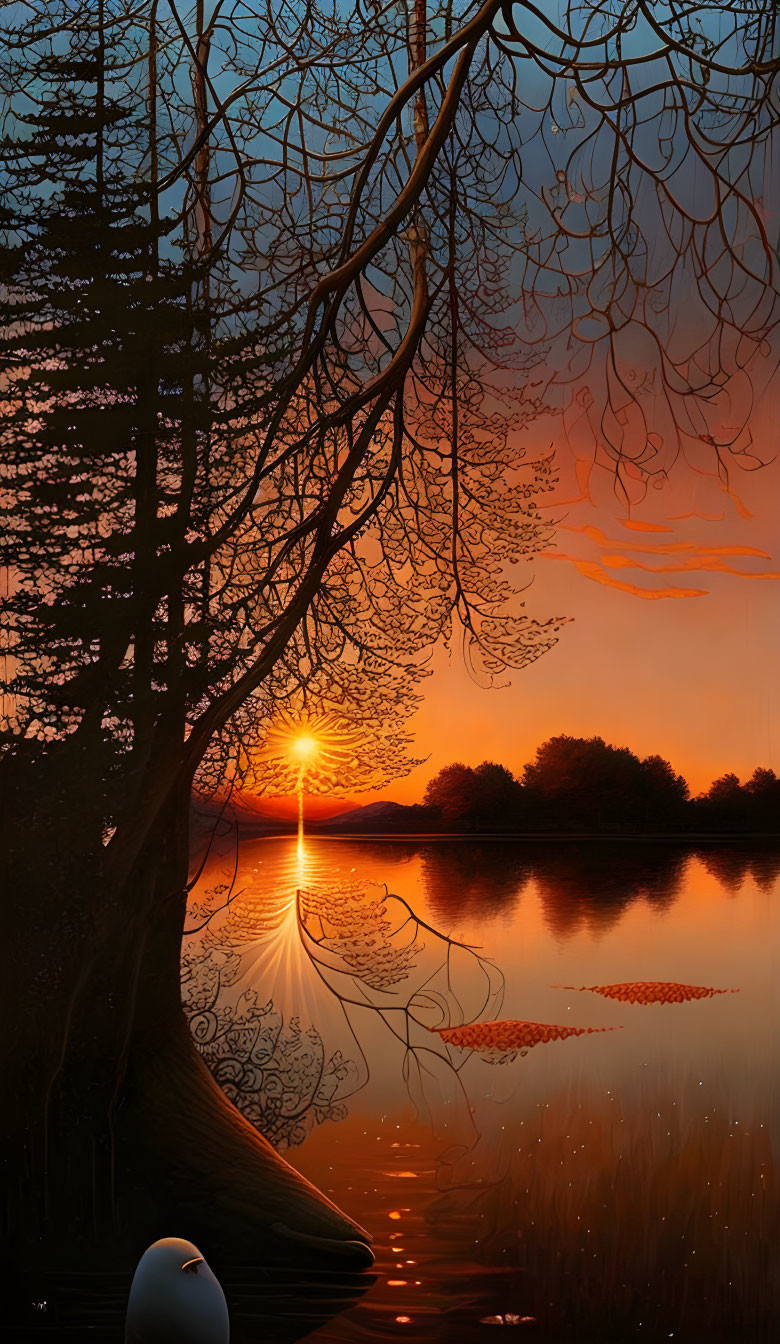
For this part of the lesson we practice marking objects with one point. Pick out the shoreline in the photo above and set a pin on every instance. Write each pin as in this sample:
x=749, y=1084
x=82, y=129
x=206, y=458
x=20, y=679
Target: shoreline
x=535, y=837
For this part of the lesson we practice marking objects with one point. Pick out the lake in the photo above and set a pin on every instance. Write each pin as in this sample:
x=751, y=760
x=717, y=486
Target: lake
x=610, y=1185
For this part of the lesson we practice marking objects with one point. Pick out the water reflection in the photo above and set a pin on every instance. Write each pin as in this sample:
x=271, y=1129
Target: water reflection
x=615, y=1174
x=586, y=885
x=473, y=878
x=285, y=986
x=615, y=1216
x=732, y=864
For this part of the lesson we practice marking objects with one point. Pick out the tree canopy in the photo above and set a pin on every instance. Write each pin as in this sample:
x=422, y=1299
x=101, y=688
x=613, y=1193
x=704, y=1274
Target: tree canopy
x=488, y=793
x=586, y=780
x=284, y=290
x=588, y=785
x=754, y=805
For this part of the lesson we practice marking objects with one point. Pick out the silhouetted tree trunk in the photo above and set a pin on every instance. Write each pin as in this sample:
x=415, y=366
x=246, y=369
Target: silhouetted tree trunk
x=116, y=1131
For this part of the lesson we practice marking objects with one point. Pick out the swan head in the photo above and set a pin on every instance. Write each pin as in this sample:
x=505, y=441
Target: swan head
x=175, y=1298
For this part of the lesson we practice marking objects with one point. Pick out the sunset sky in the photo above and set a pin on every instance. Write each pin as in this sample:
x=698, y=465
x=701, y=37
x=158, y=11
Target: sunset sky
x=691, y=677
x=673, y=637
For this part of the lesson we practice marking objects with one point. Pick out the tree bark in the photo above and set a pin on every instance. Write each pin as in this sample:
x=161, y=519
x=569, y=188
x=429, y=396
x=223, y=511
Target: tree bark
x=116, y=1133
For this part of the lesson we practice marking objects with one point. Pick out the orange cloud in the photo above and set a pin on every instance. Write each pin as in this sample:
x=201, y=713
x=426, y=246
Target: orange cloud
x=695, y=513
x=738, y=505
x=636, y=526
x=705, y=563
x=668, y=548
x=591, y=570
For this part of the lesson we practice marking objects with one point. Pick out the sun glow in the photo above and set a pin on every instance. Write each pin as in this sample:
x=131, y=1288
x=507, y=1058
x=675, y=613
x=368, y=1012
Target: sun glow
x=314, y=753
x=320, y=745
x=305, y=747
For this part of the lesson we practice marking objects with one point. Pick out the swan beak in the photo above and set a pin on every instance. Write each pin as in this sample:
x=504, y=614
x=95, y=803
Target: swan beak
x=191, y=1266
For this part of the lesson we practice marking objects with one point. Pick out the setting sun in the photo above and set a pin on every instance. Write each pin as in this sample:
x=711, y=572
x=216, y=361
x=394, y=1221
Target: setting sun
x=304, y=747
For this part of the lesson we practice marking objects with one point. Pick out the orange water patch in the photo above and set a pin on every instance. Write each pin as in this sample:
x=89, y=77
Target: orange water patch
x=650, y=991
x=501, y=1041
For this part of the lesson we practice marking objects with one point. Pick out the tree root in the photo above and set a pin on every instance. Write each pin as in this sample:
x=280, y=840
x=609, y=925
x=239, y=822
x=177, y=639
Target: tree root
x=201, y=1170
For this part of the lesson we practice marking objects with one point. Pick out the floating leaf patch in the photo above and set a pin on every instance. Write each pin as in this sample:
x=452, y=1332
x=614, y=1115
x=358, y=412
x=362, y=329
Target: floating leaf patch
x=508, y=1319
x=650, y=991
x=500, y=1042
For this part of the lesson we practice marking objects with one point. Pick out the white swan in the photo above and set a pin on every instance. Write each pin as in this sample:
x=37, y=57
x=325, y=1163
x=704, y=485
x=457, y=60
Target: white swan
x=175, y=1298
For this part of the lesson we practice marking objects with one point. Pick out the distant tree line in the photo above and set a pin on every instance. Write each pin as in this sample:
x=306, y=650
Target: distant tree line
x=588, y=785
